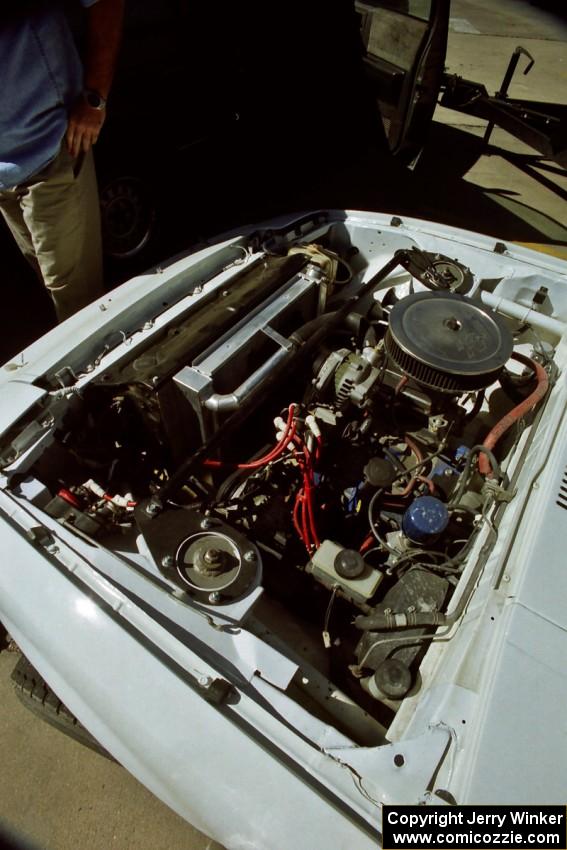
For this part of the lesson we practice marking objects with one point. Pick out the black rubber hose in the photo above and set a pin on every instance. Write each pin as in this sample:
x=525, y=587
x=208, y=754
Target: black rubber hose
x=405, y=620
x=305, y=332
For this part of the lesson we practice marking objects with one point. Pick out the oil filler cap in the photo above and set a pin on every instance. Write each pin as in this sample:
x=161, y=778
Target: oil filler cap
x=425, y=519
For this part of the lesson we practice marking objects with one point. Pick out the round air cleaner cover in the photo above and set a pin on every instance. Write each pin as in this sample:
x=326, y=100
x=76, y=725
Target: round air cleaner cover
x=447, y=342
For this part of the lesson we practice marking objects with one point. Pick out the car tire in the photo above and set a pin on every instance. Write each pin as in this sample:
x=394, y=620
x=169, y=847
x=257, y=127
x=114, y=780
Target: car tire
x=128, y=216
x=36, y=695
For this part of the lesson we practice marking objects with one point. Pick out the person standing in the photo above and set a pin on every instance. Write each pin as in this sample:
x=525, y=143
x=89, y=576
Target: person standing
x=52, y=108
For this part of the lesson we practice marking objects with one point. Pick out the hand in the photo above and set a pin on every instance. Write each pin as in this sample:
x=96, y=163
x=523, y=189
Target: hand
x=83, y=127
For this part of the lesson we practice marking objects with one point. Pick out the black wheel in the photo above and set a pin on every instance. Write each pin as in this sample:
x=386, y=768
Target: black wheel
x=128, y=216
x=36, y=695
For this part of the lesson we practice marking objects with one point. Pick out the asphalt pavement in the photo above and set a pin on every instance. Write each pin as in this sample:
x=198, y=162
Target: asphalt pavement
x=57, y=795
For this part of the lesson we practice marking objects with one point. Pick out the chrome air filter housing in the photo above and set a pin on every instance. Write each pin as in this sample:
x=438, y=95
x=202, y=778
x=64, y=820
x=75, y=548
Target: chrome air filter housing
x=447, y=342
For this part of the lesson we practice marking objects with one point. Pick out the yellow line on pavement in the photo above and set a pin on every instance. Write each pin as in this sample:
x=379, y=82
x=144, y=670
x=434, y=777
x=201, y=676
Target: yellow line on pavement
x=555, y=250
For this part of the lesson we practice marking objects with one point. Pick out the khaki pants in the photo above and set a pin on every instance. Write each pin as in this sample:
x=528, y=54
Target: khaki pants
x=55, y=219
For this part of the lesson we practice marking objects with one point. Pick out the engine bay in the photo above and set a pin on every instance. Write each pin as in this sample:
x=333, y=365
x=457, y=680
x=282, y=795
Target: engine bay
x=334, y=438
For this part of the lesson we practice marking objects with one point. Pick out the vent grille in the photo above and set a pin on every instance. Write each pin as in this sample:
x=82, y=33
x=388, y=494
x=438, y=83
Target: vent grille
x=562, y=495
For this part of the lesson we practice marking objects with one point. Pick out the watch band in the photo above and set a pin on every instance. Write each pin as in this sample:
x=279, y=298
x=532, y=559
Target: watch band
x=94, y=99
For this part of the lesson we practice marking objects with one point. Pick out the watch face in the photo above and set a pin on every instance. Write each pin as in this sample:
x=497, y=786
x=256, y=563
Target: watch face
x=94, y=99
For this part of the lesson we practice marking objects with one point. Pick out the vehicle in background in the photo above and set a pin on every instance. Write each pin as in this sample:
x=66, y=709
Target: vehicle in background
x=200, y=97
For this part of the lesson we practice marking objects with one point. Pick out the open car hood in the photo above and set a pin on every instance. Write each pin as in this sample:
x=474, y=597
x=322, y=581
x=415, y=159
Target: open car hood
x=280, y=518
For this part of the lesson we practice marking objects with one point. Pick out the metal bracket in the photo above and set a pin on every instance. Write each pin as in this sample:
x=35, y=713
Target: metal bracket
x=498, y=493
x=507, y=79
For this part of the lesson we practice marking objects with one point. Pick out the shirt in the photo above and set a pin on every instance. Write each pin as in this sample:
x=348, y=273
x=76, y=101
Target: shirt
x=41, y=76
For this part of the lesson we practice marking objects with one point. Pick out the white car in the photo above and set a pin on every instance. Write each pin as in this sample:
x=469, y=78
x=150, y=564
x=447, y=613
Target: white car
x=282, y=525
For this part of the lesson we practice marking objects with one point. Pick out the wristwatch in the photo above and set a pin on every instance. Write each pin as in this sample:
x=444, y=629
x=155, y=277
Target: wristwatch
x=94, y=99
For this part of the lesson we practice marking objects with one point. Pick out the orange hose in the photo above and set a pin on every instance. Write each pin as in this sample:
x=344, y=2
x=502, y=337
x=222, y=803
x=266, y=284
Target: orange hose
x=517, y=412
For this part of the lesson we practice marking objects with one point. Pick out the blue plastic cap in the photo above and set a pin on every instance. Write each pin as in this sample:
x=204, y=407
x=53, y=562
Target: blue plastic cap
x=425, y=519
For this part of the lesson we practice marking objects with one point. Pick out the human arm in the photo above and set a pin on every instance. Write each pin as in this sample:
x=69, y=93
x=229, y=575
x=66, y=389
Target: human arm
x=104, y=28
